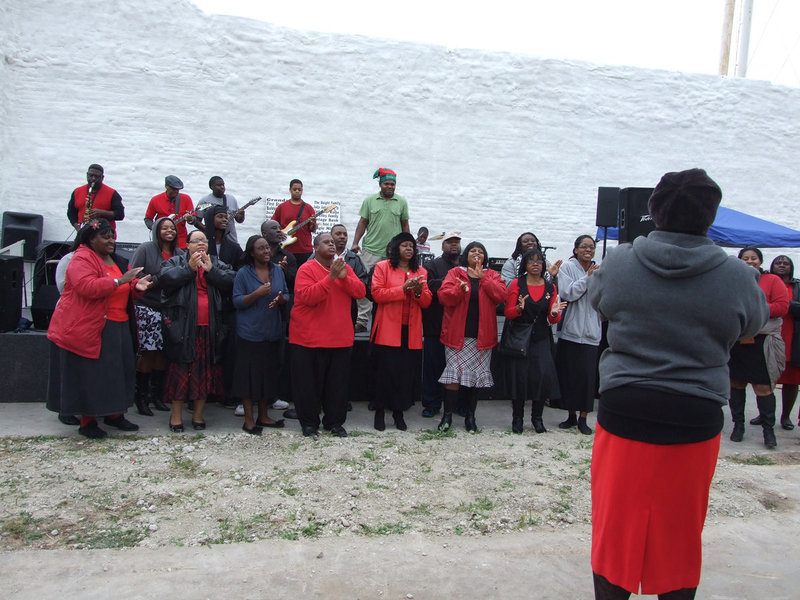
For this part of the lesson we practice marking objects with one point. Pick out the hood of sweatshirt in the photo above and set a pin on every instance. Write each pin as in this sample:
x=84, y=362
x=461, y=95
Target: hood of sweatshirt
x=678, y=255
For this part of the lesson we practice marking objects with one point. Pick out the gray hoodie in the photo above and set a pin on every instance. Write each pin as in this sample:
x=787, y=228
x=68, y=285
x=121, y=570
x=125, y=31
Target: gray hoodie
x=675, y=304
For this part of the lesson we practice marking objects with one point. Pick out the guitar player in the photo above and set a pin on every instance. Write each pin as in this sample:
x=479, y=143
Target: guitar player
x=297, y=210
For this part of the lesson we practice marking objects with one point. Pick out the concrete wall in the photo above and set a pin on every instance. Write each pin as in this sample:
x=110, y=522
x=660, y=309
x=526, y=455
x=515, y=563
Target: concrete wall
x=491, y=144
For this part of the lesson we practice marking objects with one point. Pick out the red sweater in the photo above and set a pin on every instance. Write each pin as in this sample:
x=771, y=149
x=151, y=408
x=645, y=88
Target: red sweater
x=491, y=292
x=536, y=293
x=387, y=291
x=321, y=312
x=80, y=315
x=160, y=206
x=777, y=296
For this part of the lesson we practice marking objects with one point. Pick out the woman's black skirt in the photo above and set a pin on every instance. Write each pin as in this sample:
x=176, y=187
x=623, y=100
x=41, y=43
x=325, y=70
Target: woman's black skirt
x=534, y=377
x=748, y=363
x=255, y=374
x=94, y=387
x=576, y=365
x=398, y=375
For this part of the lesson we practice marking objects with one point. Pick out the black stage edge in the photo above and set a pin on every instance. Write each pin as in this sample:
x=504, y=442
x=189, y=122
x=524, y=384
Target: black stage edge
x=26, y=361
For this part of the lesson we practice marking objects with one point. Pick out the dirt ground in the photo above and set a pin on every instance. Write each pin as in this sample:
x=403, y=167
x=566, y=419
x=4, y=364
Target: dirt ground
x=375, y=515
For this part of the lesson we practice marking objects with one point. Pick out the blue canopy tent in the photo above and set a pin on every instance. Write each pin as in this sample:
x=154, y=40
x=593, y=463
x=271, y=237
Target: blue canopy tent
x=736, y=229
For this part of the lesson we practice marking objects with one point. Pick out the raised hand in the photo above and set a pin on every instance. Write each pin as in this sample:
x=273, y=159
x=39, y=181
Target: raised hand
x=205, y=262
x=475, y=269
x=557, y=308
x=592, y=268
x=464, y=285
x=279, y=299
x=338, y=269
x=130, y=275
x=521, y=303
x=194, y=260
x=144, y=283
x=284, y=264
x=554, y=268
x=265, y=289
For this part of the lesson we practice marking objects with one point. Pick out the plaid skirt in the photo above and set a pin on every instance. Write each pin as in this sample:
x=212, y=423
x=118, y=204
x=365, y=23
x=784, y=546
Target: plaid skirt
x=148, y=323
x=468, y=366
x=197, y=380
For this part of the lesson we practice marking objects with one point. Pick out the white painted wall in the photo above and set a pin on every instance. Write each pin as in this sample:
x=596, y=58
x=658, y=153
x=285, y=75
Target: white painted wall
x=491, y=144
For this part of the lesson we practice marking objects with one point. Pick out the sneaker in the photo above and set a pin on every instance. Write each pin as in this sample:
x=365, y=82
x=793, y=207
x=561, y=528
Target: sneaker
x=280, y=404
x=239, y=412
x=93, y=431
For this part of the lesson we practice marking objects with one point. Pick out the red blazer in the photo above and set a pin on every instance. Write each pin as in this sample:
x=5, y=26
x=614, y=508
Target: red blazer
x=80, y=315
x=387, y=291
x=777, y=296
x=492, y=291
x=321, y=311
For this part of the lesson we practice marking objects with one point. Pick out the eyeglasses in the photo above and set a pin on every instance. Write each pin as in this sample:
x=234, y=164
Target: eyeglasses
x=534, y=262
x=198, y=241
x=586, y=247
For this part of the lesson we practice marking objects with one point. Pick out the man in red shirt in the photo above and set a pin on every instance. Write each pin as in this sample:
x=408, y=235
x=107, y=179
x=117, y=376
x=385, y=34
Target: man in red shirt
x=321, y=338
x=171, y=203
x=104, y=202
x=295, y=209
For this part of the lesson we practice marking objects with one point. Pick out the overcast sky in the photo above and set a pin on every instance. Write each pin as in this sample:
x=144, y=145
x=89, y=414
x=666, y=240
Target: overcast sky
x=681, y=35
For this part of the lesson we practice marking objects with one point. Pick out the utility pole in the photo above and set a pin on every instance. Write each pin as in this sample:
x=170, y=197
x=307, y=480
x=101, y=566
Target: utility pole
x=744, y=38
x=727, y=32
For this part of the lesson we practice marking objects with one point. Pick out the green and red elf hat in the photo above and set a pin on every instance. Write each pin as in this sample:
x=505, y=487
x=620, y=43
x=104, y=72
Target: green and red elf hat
x=385, y=175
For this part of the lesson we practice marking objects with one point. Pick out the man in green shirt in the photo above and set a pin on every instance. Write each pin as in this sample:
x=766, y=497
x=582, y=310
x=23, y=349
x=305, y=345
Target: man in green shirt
x=382, y=216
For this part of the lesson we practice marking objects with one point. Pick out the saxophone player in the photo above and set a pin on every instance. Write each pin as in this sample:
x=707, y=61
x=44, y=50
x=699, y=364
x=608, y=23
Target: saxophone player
x=95, y=200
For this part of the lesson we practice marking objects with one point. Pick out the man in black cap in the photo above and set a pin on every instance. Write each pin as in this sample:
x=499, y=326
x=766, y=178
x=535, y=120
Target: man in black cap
x=171, y=202
x=433, y=360
x=95, y=200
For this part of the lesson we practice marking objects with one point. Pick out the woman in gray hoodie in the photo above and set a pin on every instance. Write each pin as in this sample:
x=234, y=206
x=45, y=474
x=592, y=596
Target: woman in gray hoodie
x=675, y=304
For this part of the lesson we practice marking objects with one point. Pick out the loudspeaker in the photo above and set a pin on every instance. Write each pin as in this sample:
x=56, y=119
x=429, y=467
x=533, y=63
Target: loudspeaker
x=634, y=216
x=607, y=207
x=11, y=279
x=23, y=226
x=43, y=304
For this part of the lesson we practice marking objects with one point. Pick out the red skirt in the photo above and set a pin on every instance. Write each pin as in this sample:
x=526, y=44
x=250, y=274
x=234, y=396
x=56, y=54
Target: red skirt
x=197, y=380
x=649, y=505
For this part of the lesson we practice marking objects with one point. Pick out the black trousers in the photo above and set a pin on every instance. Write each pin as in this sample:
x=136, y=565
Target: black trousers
x=320, y=379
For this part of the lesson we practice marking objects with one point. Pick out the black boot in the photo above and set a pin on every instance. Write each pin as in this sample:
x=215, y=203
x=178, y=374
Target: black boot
x=472, y=404
x=156, y=394
x=516, y=425
x=142, y=385
x=399, y=420
x=605, y=590
x=570, y=422
x=378, y=421
x=766, y=407
x=583, y=427
x=450, y=401
x=537, y=409
x=737, y=414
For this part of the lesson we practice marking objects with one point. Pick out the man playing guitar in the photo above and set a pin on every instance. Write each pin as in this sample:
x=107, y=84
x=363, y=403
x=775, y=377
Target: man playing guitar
x=295, y=209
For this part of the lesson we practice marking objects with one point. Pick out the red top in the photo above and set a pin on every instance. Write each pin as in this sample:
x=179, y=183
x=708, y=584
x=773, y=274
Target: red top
x=535, y=293
x=777, y=296
x=101, y=201
x=80, y=315
x=491, y=292
x=387, y=290
x=202, y=298
x=118, y=302
x=285, y=213
x=161, y=206
x=321, y=312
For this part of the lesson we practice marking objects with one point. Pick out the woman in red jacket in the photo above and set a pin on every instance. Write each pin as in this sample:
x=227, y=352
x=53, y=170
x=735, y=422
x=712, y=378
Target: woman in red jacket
x=470, y=295
x=92, y=370
x=400, y=288
x=532, y=300
x=761, y=360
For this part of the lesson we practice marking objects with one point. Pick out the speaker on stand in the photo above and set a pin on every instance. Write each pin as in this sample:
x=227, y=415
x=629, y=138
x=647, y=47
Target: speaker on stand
x=12, y=276
x=634, y=215
x=607, y=211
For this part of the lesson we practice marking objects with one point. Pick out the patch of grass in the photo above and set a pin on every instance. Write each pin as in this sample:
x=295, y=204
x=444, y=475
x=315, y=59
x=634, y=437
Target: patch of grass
x=369, y=455
x=111, y=538
x=422, y=509
x=289, y=534
x=508, y=484
x=529, y=520
x=563, y=504
x=357, y=433
x=756, y=459
x=560, y=454
x=185, y=466
x=435, y=434
x=290, y=491
x=312, y=529
x=22, y=527
x=480, y=506
x=293, y=446
x=459, y=530
x=385, y=529
x=313, y=468
x=376, y=486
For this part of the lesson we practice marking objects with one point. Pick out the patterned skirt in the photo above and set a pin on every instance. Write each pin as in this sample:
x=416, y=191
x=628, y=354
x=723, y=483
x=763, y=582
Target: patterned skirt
x=197, y=380
x=468, y=366
x=148, y=322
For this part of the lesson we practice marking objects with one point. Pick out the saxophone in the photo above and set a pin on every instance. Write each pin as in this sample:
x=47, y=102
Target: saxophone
x=89, y=202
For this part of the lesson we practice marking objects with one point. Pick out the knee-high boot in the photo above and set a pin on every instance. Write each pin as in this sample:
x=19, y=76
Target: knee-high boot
x=736, y=403
x=450, y=401
x=766, y=407
x=472, y=404
x=142, y=385
x=157, y=390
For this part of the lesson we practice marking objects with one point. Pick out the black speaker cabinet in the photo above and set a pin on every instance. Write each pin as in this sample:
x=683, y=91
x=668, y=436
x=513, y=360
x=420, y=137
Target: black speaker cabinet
x=607, y=207
x=11, y=274
x=634, y=216
x=43, y=304
x=23, y=226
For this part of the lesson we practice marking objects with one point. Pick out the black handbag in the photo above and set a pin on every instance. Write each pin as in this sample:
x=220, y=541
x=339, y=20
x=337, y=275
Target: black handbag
x=516, y=338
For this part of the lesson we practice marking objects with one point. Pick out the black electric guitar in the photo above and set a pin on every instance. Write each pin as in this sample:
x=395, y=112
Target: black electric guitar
x=232, y=213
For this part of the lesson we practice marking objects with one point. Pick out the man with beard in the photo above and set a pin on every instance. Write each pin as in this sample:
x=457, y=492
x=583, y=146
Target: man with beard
x=168, y=203
x=382, y=216
x=321, y=338
x=339, y=234
x=95, y=200
x=433, y=361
